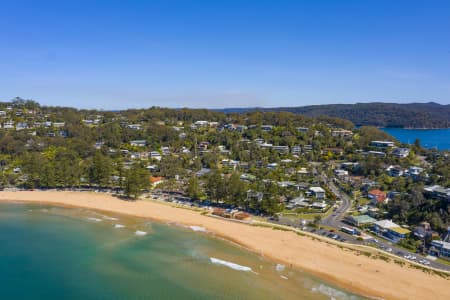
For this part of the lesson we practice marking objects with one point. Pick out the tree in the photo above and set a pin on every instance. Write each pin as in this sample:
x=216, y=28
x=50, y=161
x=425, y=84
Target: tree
x=137, y=179
x=100, y=170
x=193, y=188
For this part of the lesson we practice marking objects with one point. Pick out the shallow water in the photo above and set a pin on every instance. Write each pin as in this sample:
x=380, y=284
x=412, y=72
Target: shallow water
x=66, y=253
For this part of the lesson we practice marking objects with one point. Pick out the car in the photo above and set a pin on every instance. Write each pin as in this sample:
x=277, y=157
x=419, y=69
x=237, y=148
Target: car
x=389, y=249
x=335, y=236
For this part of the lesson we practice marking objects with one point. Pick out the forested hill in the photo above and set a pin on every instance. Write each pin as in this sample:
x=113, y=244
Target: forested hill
x=413, y=115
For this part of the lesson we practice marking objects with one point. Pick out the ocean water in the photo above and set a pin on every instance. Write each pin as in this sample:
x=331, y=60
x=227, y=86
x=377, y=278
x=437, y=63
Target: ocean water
x=66, y=253
x=429, y=138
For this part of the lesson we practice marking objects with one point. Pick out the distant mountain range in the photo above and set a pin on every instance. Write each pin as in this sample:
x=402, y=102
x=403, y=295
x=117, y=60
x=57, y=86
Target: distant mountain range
x=411, y=115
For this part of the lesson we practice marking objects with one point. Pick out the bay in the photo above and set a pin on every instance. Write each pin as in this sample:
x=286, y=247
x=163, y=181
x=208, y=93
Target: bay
x=429, y=138
x=51, y=252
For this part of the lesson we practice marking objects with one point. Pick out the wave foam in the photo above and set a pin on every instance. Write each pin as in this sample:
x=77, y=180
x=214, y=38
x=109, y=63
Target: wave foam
x=110, y=218
x=332, y=292
x=95, y=219
x=119, y=226
x=198, y=228
x=140, y=233
x=279, y=267
x=230, y=265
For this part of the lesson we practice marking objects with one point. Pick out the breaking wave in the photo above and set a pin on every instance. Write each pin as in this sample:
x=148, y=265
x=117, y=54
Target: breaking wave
x=198, y=228
x=140, y=233
x=230, y=265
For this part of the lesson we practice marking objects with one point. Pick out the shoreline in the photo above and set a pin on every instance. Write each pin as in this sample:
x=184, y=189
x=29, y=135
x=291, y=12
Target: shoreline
x=341, y=266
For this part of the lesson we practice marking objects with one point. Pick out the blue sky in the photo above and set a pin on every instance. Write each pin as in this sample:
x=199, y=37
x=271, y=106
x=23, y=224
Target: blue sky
x=118, y=54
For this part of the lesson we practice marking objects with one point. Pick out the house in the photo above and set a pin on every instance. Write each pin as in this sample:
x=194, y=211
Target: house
x=266, y=145
x=319, y=205
x=377, y=196
x=138, y=143
x=155, y=155
x=341, y=133
x=2, y=113
x=281, y=149
x=247, y=177
x=437, y=192
x=395, y=171
x=302, y=129
x=376, y=153
x=390, y=231
x=254, y=196
x=382, y=144
x=297, y=202
x=296, y=150
x=165, y=150
x=155, y=180
x=8, y=125
x=423, y=231
x=201, y=123
x=203, y=172
x=414, y=171
x=307, y=148
x=272, y=166
x=134, y=126
x=400, y=152
x=340, y=173
x=21, y=125
x=58, y=124
x=230, y=164
x=317, y=192
x=266, y=127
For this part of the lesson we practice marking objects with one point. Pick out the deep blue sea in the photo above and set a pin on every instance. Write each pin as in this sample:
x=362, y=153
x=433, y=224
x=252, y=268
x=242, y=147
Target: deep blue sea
x=429, y=138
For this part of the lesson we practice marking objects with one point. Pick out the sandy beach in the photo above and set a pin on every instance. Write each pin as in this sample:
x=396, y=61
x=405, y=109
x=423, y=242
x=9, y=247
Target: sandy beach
x=358, y=273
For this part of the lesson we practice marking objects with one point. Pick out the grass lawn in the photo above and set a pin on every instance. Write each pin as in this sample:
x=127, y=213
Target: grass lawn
x=443, y=261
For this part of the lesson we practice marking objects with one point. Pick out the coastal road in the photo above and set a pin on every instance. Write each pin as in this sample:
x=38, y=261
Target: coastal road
x=335, y=219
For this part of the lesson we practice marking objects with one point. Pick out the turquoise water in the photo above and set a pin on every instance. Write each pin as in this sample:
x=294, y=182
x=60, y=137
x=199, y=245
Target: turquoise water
x=429, y=138
x=64, y=253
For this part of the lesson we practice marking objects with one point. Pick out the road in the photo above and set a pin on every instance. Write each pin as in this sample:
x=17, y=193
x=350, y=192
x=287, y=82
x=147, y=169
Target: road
x=335, y=219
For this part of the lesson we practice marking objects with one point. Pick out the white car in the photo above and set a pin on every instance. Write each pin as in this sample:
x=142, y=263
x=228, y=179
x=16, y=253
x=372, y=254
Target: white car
x=389, y=249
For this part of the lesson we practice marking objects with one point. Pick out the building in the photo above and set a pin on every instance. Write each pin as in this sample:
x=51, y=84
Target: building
x=134, y=126
x=360, y=220
x=395, y=171
x=254, y=196
x=437, y=192
x=317, y=192
x=340, y=173
x=296, y=150
x=400, y=152
x=390, y=231
x=382, y=144
x=138, y=143
x=155, y=155
x=302, y=129
x=266, y=127
x=319, y=205
x=440, y=248
x=377, y=196
x=297, y=202
x=341, y=133
x=281, y=149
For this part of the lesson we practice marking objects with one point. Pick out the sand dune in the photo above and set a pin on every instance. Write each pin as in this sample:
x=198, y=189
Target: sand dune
x=358, y=273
